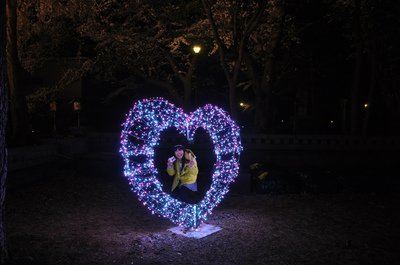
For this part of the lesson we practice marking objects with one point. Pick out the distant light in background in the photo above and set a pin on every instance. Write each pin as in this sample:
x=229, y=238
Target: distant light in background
x=53, y=110
x=53, y=106
x=366, y=105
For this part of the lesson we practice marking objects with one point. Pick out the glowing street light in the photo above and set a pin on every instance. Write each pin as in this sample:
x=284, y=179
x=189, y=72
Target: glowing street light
x=245, y=106
x=196, y=49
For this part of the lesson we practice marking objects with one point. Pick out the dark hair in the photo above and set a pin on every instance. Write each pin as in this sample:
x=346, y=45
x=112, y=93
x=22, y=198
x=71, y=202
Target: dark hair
x=180, y=147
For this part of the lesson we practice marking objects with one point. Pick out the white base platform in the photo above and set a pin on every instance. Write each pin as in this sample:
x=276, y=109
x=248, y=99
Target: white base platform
x=204, y=231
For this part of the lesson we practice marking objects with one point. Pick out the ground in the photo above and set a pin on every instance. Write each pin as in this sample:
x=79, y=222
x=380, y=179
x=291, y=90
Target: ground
x=71, y=218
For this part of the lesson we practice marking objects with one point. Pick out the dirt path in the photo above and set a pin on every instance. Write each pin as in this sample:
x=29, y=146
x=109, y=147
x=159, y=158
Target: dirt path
x=73, y=219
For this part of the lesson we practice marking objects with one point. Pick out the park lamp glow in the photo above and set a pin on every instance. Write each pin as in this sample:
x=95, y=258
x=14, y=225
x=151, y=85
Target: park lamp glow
x=245, y=106
x=141, y=133
x=196, y=49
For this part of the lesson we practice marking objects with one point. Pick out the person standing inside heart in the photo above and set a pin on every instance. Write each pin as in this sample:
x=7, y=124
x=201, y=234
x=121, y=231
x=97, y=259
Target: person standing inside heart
x=183, y=167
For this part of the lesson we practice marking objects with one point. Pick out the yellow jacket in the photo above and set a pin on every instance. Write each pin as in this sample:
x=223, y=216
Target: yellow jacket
x=187, y=175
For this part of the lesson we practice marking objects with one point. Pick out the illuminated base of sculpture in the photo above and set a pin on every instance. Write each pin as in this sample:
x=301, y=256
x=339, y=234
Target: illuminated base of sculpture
x=201, y=232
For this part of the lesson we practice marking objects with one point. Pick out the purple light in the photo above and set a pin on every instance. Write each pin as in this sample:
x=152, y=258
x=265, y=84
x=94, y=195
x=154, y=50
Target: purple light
x=141, y=133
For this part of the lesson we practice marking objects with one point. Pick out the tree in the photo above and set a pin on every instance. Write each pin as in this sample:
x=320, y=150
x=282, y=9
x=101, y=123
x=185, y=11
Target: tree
x=18, y=110
x=142, y=45
x=122, y=42
x=247, y=34
x=136, y=43
x=153, y=44
x=373, y=32
x=3, y=124
x=383, y=58
x=47, y=31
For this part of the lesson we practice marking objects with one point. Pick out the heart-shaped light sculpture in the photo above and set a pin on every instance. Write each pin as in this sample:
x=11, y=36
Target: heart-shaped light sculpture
x=141, y=133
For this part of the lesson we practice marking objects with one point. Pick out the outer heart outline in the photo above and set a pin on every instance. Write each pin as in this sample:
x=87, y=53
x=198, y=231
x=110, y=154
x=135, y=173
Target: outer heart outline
x=141, y=132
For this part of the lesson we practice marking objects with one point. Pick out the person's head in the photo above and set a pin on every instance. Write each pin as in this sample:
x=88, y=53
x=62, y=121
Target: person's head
x=179, y=151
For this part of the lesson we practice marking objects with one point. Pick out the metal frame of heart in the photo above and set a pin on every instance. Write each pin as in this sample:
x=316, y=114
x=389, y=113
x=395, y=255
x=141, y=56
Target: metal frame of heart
x=141, y=133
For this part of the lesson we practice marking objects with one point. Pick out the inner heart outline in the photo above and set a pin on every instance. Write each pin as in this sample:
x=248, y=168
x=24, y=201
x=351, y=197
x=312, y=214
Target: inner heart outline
x=141, y=133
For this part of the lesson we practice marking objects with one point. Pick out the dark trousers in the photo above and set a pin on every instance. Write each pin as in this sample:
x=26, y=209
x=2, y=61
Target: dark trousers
x=181, y=193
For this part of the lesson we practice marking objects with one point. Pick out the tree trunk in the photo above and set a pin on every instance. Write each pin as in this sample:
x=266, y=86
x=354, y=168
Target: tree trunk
x=19, y=121
x=187, y=102
x=3, y=124
x=262, y=88
x=355, y=93
x=389, y=87
x=230, y=77
x=187, y=84
x=374, y=76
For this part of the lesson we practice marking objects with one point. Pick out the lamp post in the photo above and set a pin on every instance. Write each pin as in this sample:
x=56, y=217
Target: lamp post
x=77, y=108
x=53, y=109
x=196, y=50
x=76, y=103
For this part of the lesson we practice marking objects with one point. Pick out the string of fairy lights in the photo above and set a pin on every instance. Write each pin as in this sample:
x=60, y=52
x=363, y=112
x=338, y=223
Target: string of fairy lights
x=141, y=133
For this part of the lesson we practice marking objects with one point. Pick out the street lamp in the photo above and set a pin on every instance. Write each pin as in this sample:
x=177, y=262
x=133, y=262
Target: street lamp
x=76, y=103
x=77, y=108
x=53, y=109
x=196, y=49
